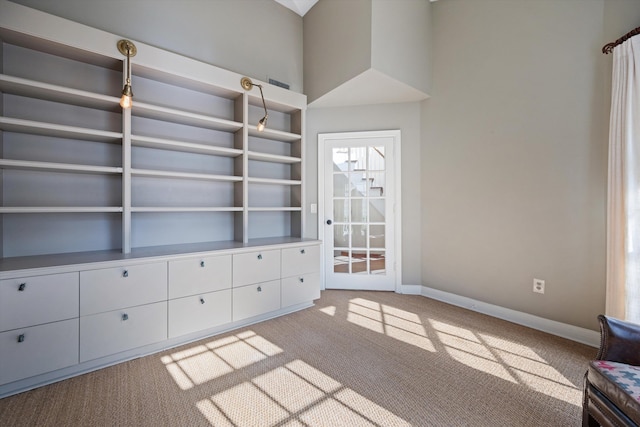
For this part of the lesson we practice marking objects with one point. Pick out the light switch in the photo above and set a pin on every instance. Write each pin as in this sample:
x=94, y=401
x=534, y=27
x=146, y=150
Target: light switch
x=314, y=208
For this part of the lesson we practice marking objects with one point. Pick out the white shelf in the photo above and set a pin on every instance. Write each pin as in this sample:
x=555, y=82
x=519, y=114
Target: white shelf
x=35, y=89
x=275, y=209
x=10, y=124
x=274, y=181
x=184, y=175
x=156, y=112
x=185, y=209
x=189, y=147
x=61, y=209
x=57, y=167
x=273, y=134
x=273, y=158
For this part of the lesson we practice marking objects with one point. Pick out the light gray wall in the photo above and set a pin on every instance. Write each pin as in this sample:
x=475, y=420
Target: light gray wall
x=258, y=38
x=401, y=39
x=514, y=152
x=405, y=117
x=337, y=44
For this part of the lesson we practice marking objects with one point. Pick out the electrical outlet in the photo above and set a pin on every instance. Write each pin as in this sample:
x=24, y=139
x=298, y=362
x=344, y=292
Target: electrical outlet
x=538, y=286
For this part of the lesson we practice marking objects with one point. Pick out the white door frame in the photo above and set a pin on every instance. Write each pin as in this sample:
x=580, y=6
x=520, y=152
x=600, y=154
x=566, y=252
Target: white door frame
x=397, y=208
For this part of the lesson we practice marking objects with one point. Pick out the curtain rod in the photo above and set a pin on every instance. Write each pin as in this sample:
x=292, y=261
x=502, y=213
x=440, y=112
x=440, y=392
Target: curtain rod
x=608, y=48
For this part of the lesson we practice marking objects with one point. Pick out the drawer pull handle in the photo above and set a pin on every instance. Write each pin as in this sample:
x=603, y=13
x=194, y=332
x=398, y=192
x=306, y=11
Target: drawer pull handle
x=22, y=287
x=259, y=288
x=125, y=273
x=259, y=256
x=302, y=251
x=201, y=300
x=201, y=263
x=301, y=279
x=21, y=338
x=125, y=317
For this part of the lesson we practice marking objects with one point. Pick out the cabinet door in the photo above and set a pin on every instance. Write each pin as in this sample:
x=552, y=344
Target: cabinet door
x=299, y=289
x=256, y=267
x=30, y=301
x=199, y=275
x=195, y=313
x=113, y=288
x=119, y=330
x=32, y=351
x=300, y=260
x=253, y=300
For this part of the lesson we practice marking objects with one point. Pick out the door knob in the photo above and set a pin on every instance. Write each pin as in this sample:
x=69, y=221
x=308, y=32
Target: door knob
x=328, y=222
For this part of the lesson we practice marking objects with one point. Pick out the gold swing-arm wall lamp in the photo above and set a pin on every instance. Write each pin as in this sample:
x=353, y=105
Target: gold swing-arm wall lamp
x=247, y=84
x=129, y=50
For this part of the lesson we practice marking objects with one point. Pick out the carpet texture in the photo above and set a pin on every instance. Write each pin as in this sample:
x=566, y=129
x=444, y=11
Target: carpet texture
x=355, y=359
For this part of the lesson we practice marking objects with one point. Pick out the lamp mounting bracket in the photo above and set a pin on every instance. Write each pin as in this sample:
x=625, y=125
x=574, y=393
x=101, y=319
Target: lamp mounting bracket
x=127, y=48
x=247, y=84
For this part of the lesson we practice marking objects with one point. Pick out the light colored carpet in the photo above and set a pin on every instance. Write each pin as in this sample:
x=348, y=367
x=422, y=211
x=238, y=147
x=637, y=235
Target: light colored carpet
x=356, y=358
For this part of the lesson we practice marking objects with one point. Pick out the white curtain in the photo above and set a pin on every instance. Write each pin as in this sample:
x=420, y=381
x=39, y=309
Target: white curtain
x=623, y=205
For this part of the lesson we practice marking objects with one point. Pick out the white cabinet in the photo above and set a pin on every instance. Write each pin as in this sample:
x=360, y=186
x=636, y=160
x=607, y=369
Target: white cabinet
x=31, y=351
x=255, y=267
x=38, y=325
x=300, y=289
x=253, y=300
x=199, y=275
x=300, y=260
x=300, y=274
x=198, y=312
x=112, y=288
x=119, y=330
x=29, y=301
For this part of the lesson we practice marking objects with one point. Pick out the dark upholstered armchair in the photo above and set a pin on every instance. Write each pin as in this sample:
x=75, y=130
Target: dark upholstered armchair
x=612, y=381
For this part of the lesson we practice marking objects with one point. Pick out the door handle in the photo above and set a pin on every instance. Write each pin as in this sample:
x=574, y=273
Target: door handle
x=328, y=222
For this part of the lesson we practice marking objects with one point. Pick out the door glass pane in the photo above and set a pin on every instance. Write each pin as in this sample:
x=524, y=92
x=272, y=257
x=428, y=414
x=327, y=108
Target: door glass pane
x=359, y=236
x=358, y=158
x=359, y=264
x=376, y=210
x=377, y=261
x=340, y=262
x=341, y=185
x=376, y=236
x=341, y=236
x=376, y=159
x=340, y=210
x=359, y=210
x=376, y=184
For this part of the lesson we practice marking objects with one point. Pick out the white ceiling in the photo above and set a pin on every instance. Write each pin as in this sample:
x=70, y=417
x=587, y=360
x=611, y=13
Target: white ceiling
x=298, y=6
x=301, y=6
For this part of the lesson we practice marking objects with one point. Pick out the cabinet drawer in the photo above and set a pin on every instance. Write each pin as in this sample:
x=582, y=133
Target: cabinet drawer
x=256, y=267
x=199, y=275
x=195, y=313
x=119, y=330
x=253, y=300
x=300, y=260
x=29, y=301
x=42, y=349
x=299, y=289
x=113, y=288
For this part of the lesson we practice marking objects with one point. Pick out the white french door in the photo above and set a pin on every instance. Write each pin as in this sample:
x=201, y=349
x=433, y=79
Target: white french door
x=359, y=181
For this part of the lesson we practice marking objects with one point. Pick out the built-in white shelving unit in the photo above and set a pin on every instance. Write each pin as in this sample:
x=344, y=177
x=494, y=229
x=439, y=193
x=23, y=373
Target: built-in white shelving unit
x=127, y=232
x=187, y=158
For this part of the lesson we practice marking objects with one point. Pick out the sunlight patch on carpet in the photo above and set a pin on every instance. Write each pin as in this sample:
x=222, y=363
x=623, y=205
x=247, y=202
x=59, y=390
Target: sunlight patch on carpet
x=203, y=363
x=395, y=323
x=295, y=394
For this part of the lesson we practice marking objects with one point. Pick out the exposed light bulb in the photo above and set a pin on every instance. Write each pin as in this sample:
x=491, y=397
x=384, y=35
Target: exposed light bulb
x=127, y=95
x=262, y=123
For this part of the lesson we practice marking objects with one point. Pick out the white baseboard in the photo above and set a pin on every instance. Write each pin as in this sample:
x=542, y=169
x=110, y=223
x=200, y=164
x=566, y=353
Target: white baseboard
x=410, y=289
x=574, y=333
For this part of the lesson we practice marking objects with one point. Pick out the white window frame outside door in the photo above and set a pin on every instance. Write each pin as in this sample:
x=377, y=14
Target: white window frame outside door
x=397, y=208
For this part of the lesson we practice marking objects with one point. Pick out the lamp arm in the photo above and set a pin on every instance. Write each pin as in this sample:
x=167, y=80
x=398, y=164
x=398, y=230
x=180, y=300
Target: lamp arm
x=264, y=105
